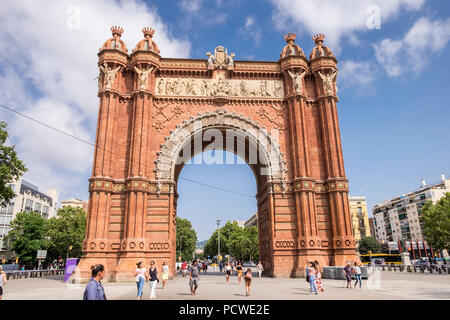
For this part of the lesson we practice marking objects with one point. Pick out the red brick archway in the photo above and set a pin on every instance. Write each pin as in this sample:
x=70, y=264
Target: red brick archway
x=153, y=109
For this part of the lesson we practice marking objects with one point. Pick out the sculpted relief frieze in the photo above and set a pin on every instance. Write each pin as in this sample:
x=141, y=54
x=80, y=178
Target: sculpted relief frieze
x=190, y=87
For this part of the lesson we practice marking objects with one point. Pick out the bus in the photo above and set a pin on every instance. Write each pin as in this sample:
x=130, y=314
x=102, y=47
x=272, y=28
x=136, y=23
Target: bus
x=381, y=259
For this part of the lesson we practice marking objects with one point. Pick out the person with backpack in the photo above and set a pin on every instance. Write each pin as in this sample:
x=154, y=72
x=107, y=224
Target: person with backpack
x=248, y=281
x=193, y=277
x=311, y=277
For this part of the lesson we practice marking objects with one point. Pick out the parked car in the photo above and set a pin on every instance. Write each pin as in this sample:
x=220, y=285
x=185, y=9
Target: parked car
x=249, y=264
x=421, y=263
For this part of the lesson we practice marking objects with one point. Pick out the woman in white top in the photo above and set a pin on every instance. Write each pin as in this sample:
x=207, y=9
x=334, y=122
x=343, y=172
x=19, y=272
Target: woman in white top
x=227, y=272
x=2, y=281
x=260, y=268
x=165, y=273
x=357, y=271
x=141, y=278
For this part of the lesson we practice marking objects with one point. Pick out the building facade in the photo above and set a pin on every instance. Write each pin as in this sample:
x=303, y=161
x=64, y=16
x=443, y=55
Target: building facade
x=155, y=113
x=253, y=221
x=360, y=217
x=75, y=203
x=372, y=227
x=399, y=218
x=28, y=198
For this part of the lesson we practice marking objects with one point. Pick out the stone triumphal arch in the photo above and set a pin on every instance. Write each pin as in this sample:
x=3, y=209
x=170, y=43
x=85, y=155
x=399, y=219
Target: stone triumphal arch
x=280, y=116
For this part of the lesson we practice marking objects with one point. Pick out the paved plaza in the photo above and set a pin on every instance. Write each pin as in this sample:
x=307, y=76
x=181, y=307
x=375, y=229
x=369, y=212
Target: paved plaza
x=391, y=286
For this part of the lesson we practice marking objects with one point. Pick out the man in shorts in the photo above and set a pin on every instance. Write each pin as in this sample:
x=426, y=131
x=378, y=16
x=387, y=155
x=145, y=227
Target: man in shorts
x=193, y=277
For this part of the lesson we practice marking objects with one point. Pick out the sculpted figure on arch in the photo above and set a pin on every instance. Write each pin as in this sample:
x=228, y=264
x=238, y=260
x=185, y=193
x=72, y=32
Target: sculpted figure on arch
x=297, y=77
x=110, y=74
x=143, y=76
x=327, y=80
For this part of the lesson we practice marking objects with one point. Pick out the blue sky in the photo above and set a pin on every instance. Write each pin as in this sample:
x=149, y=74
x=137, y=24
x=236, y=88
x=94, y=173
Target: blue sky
x=393, y=84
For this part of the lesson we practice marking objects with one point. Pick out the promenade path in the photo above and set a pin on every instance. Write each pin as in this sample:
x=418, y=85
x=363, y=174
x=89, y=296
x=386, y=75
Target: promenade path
x=390, y=286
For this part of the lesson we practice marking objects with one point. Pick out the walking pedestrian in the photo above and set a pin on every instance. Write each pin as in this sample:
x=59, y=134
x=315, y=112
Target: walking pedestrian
x=184, y=268
x=153, y=275
x=318, y=277
x=165, y=274
x=193, y=277
x=205, y=267
x=2, y=281
x=248, y=281
x=239, y=271
x=348, y=274
x=221, y=266
x=227, y=272
x=141, y=278
x=357, y=271
x=260, y=268
x=312, y=277
x=94, y=289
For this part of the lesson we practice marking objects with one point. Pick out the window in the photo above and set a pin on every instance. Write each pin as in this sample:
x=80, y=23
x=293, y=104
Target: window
x=45, y=210
x=37, y=207
x=3, y=210
x=360, y=211
x=29, y=204
x=361, y=223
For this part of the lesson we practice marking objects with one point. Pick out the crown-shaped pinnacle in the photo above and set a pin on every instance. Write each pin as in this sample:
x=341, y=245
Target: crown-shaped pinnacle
x=148, y=31
x=318, y=38
x=116, y=30
x=290, y=36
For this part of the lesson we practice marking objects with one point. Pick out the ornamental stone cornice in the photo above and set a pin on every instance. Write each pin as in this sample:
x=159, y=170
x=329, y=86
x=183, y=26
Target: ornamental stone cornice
x=135, y=184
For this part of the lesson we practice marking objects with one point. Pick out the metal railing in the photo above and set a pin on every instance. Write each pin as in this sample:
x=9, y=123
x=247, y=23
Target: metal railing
x=19, y=274
x=433, y=268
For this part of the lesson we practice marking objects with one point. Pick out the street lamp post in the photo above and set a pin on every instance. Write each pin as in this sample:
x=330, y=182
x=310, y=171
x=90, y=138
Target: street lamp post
x=218, y=230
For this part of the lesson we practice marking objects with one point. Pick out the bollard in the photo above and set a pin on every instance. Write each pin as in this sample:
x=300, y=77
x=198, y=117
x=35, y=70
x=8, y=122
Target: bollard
x=409, y=269
x=401, y=268
x=422, y=269
x=431, y=270
x=440, y=270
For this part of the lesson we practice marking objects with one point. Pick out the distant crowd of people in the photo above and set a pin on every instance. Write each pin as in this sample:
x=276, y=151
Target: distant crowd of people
x=94, y=289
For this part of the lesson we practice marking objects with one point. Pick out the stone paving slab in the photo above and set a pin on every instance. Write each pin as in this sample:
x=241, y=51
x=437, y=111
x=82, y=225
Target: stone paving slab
x=392, y=286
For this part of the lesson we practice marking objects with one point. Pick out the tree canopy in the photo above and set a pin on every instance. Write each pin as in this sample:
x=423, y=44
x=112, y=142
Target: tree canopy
x=11, y=168
x=367, y=244
x=66, y=233
x=436, y=223
x=241, y=243
x=186, y=239
x=27, y=236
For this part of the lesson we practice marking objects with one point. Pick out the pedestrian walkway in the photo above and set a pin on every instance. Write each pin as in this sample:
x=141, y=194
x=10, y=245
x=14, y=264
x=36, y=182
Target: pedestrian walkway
x=398, y=286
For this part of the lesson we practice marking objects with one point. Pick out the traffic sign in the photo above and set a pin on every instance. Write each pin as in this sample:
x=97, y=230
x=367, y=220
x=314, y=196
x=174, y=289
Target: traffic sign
x=41, y=254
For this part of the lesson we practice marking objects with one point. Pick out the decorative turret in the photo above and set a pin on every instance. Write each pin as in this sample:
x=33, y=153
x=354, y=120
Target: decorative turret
x=291, y=49
x=320, y=50
x=147, y=44
x=115, y=43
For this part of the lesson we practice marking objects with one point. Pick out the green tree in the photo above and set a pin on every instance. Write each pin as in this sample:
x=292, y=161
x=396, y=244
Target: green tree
x=186, y=239
x=367, y=244
x=241, y=243
x=66, y=233
x=11, y=168
x=27, y=236
x=436, y=223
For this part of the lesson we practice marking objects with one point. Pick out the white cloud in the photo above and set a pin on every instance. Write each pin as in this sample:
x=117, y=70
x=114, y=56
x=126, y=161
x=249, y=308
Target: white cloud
x=413, y=51
x=191, y=5
x=335, y=18
x=251, y=30
x=48, y=68
x=361, y=74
